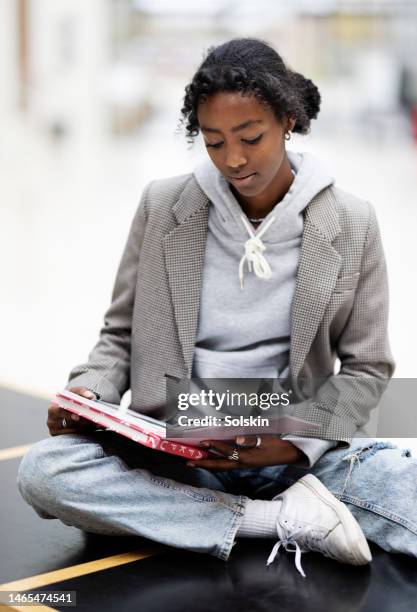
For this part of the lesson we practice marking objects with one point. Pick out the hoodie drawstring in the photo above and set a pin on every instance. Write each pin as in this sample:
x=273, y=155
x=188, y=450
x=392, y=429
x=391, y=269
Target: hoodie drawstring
x=254, y=248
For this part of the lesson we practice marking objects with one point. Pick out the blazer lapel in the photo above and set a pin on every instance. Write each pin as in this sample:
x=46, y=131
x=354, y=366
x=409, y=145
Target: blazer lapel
x=184, y=249
x=318, y=269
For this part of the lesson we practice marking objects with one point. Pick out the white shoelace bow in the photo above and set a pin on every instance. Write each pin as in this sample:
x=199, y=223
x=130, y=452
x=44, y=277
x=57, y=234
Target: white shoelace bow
x=285, y=542
x=254, y=248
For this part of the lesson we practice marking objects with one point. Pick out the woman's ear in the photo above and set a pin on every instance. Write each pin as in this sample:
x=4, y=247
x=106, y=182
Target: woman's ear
x=291, y=123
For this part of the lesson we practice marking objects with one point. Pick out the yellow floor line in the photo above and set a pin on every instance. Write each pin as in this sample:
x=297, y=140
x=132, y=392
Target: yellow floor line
x=41, y=580
x=14, y=451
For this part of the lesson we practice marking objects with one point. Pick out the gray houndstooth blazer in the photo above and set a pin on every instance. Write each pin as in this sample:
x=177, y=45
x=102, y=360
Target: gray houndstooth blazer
x=339, y=310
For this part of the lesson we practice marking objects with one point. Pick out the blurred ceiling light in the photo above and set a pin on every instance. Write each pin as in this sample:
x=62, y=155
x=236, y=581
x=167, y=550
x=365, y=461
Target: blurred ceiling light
x=184, y=7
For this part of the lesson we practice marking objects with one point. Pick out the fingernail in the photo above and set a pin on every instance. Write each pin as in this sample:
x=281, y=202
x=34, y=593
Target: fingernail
x=240, y=440
x=89, y=394
x=75, y=417
x=205, y=443
x=191, y=464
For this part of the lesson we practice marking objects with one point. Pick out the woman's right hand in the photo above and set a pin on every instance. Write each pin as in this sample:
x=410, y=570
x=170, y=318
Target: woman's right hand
x=74, y=423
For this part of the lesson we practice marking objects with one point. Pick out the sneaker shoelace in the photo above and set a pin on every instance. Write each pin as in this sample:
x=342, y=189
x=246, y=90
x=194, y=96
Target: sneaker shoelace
x=254, y=247
x=307, y=536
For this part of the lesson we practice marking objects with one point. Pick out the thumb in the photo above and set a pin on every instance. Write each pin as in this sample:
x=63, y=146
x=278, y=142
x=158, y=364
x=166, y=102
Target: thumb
x=88, y=394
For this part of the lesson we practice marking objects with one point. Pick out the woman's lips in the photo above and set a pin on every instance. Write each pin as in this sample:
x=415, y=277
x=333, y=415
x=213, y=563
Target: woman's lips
x=247, y=180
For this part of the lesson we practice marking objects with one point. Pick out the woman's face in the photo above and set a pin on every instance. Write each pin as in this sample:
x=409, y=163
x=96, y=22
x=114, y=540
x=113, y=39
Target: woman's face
x=245, y=142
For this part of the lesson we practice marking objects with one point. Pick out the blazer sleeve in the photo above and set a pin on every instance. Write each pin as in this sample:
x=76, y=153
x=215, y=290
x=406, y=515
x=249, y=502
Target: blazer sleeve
x=344, y=402
x=107, y=371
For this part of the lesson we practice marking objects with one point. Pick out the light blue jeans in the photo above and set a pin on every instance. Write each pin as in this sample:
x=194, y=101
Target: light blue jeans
x=103, y=483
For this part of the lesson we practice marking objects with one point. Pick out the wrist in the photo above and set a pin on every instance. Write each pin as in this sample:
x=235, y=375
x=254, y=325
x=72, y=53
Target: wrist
x=292, y=453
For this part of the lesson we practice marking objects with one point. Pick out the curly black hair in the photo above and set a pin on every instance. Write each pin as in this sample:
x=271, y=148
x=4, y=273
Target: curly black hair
x=251, y=67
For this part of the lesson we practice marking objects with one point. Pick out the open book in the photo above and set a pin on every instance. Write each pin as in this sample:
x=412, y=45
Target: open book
x=138, y=427
x=152, y=433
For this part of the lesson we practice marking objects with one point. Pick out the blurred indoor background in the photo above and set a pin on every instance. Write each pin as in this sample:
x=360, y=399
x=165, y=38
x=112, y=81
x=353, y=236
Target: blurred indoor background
x=89, y=108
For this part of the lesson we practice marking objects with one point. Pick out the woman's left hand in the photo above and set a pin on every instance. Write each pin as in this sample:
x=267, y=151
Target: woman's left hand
x=272, y=451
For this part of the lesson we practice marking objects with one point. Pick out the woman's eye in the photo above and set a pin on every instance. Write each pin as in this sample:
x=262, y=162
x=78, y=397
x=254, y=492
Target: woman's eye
x=216, y=145
x=255, y=140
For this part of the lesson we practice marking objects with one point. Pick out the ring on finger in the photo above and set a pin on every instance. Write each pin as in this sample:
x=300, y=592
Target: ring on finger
x=234, y=456
x=251, y=445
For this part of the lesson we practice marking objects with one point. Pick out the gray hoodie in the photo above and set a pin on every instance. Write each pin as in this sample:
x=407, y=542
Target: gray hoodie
x=245, y=333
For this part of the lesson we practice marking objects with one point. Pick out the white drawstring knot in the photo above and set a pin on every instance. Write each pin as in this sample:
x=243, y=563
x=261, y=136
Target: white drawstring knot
x=353, y=458
x=254, y=248
x=285, y=543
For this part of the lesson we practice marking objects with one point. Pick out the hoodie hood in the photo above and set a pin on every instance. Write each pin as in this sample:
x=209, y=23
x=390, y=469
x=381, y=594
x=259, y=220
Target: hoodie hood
x=310, y=179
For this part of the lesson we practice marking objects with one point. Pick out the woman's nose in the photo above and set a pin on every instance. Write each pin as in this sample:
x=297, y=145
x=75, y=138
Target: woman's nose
x=235, y=160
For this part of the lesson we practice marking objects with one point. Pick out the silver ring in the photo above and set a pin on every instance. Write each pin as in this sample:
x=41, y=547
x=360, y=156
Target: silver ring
x=251, y=445
x=64, y=423
x=234, y=456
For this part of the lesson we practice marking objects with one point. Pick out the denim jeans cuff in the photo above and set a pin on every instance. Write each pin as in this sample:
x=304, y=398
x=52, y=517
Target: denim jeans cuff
x=237, y=512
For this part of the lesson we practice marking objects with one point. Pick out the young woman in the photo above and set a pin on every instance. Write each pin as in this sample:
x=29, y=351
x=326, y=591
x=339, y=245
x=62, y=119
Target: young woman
x=255, y=265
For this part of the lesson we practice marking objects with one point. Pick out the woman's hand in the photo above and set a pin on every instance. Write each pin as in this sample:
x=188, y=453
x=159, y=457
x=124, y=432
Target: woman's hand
x=272, y=451
x=73, y=422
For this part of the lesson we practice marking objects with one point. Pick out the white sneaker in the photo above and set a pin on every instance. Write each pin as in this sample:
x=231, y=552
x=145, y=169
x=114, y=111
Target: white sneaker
x=311, y=518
